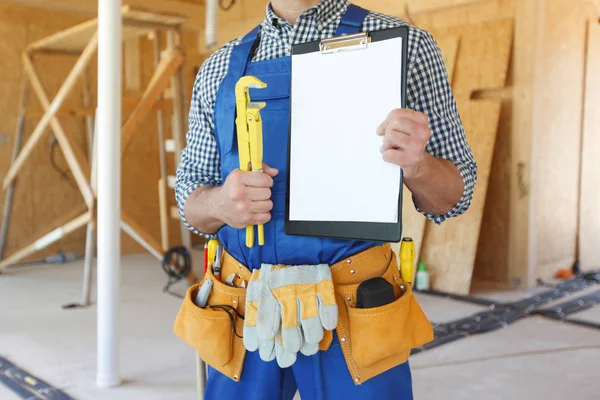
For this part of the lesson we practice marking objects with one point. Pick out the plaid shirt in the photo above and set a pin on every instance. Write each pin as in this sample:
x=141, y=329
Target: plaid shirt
x=428, y=91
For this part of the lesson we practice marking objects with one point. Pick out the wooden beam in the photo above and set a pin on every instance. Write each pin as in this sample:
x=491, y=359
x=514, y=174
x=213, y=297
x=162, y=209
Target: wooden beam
x=73, y=154
x=47, y=239
x=10, y=192
x=159, y=81
x=194, y=12
x=175, y=41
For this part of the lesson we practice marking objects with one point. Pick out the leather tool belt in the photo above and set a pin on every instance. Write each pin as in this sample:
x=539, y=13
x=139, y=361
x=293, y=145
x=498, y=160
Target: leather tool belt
x=373, y=340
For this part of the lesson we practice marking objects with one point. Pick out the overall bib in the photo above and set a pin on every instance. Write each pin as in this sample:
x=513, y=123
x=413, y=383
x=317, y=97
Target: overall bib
x=324, y=375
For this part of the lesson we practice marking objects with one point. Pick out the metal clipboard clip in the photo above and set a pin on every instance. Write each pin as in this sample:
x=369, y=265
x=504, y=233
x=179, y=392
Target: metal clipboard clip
x=356, y=41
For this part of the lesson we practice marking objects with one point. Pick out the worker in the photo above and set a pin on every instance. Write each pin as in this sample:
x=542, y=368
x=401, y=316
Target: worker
x=218, y=200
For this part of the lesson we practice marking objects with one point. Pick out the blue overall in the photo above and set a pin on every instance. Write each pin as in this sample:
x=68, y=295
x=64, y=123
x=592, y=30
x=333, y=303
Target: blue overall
x=325, y=374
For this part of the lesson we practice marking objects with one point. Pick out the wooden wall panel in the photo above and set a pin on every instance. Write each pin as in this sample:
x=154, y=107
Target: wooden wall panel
x=491, y=262
x=589, y=219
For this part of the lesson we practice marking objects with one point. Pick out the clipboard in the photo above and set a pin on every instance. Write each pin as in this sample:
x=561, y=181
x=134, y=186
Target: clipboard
x=337, y=64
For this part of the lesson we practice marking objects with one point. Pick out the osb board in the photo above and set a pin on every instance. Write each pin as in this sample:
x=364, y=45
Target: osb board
x=43, y=198
x=589, y=220
x=557, y=121
x=413, y=222
x=491, y=261
x=449, y=249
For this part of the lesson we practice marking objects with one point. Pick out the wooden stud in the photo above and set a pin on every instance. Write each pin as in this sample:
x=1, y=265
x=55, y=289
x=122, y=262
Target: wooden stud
x=8, y=200
x=174, y=41
x=162, y=188
x=72, y=39
x=47, y=239
x=89, y=118
x=71, y=153
x=163, y=208
x=159, y=81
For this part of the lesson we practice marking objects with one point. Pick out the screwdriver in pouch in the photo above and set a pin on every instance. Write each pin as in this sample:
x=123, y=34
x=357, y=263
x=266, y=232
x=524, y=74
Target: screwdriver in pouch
x=203, y=293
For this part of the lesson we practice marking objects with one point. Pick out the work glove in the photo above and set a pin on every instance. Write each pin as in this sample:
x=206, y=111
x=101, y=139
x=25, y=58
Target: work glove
x=270, y=348
x=287, y=310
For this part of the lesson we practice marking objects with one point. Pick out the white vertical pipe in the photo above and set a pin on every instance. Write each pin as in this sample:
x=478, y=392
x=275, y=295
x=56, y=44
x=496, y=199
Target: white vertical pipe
x=109, y=190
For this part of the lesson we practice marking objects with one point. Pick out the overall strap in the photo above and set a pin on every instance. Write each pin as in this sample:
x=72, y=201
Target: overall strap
x=352, y=20
x=241, y=53
x=238, y=61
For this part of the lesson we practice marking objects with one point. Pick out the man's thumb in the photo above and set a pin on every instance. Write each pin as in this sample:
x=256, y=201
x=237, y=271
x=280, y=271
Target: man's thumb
x=272, y=172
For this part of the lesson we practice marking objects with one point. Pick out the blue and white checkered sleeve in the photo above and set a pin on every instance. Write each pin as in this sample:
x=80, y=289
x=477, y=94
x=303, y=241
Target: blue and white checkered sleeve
x=429, y=91
x=200, y=163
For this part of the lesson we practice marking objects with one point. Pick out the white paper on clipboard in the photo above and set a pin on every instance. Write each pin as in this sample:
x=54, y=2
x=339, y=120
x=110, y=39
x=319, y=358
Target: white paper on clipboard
x=337, y=172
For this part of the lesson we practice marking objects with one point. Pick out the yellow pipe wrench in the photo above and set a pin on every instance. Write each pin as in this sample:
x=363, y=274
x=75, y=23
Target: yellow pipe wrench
x=249, y=135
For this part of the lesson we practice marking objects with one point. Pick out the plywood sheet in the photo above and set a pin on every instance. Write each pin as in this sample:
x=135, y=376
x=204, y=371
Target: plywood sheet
x=589, y=218
x=491, y=262
x=449, y=250
x=413, y=222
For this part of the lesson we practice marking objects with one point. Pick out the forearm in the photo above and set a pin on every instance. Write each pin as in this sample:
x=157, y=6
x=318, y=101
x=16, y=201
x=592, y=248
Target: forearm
x=201, y=209
x=436, y=186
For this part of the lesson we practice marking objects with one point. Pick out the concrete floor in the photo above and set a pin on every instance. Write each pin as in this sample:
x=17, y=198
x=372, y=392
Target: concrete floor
x=532, y=359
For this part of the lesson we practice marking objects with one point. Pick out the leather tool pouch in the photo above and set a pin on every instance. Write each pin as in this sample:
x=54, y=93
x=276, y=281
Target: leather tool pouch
x=376, y=339
x=210, y=330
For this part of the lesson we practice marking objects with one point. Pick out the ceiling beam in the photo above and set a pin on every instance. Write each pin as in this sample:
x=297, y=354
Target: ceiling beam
x=195, y=12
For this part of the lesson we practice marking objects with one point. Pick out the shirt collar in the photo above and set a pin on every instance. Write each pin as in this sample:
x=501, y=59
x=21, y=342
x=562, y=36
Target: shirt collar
x=326, y=11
